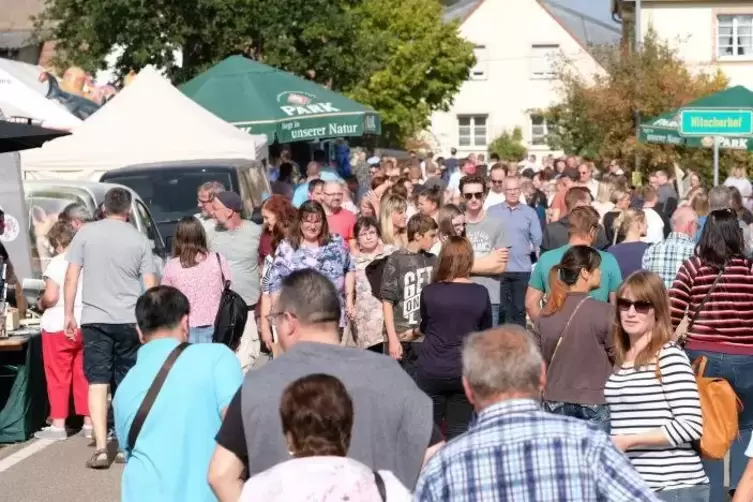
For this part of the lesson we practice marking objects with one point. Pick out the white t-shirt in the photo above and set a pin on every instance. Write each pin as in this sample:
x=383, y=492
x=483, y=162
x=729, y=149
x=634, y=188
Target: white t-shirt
x=53, y=319
x=655, y=224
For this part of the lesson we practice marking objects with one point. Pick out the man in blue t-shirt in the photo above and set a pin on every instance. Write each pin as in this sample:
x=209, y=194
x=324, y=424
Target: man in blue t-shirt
x=583, y=229
x=171, y=455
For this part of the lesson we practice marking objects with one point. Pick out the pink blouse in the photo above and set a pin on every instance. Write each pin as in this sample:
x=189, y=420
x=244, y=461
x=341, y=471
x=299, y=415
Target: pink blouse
x=202, y=285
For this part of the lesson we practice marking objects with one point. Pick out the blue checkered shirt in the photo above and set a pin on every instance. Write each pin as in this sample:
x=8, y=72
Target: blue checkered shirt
x=518, y=452
x=664, y=258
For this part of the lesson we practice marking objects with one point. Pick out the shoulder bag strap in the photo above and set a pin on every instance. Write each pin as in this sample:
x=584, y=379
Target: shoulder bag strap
x=564, y=331
x=222, y=274
x=151, y=395
x=380, y=486
x=705, y=298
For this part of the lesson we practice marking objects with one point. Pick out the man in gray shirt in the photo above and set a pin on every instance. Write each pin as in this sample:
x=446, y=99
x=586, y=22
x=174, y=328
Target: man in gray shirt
x=393, y=427
x=116, y=258
x=488, y=238
x=238, y=241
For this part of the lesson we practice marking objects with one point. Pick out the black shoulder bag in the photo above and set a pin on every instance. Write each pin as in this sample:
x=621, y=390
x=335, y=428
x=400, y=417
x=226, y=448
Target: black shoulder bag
x=151, y=394
x=380, y=486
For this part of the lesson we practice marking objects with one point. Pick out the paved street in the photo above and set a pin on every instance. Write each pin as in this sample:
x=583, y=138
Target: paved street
x=39, y=471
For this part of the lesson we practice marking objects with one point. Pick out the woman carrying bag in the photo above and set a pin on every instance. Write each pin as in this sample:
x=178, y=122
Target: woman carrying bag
x=574, y=336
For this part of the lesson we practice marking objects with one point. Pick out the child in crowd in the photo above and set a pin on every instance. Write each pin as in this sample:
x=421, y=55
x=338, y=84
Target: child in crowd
x=406, y=272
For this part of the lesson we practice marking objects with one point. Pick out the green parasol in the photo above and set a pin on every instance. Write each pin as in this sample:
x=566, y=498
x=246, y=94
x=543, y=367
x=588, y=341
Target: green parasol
x=666, y=128
x=261, y=99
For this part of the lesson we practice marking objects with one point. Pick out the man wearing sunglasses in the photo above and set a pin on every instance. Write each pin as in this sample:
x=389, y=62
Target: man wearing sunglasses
x=488, y=238
x=583, y=229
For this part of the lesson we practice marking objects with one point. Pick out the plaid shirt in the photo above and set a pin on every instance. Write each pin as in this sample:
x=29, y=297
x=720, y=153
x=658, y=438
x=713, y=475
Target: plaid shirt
x=516, y=451
x=664, y=258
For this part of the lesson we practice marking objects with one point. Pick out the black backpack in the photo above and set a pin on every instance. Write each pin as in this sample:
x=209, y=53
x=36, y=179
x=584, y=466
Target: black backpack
x=231, y=315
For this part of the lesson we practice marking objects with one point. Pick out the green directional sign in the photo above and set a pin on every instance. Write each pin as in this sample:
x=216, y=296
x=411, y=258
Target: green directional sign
x=719, y=122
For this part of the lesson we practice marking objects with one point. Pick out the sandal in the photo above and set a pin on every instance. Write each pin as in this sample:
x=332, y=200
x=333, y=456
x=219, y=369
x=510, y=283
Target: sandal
x=98, y=460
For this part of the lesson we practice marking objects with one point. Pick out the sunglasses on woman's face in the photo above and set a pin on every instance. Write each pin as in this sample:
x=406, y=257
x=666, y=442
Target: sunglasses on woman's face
x=640, y=306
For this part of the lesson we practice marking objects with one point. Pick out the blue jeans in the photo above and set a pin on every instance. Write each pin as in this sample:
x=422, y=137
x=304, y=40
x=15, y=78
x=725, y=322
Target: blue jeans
x=200, y=334
x=698, y=493
x=512, y=297
x=495, y=315
x=596, y=414
x=738, y=371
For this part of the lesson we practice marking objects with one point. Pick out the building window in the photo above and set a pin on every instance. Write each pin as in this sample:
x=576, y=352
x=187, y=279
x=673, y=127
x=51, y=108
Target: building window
x=539, y=130
x=543, y=60
x=471, y=130
x=735, y=36
x=478, y=72
x=10, y=53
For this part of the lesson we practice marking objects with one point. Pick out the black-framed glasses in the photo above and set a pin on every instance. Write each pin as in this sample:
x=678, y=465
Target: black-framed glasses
x=640, y=306
x=473, y=195
x=497, y=182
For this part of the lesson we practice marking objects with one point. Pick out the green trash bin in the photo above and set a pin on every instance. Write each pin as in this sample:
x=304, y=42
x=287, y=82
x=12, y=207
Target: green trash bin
x=23, y=391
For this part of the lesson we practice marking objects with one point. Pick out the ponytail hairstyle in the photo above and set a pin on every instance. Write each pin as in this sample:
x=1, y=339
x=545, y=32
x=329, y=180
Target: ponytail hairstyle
x=565, y=275
x=627, y=219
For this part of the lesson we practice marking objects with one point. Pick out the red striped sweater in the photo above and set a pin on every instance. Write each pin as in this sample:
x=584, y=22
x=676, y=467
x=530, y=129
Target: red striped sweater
x=725, y=324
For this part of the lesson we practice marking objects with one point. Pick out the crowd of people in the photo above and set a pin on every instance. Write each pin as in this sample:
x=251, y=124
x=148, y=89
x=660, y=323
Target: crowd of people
x=436, y=329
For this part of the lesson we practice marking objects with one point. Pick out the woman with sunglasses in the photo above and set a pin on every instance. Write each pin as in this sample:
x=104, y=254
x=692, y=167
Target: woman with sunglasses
x=451, y=222
x=654, y=406
x=714, y=289
x=310, y=245
x=574, y=337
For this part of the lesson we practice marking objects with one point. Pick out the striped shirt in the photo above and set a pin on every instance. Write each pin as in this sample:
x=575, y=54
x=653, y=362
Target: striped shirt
x=725, y=324
x=639, y=403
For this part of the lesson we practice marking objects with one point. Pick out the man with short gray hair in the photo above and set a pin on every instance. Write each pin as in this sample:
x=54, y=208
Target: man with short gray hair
x=720, y=198
x=517, y=451
x=204, y=198
x=77, y=215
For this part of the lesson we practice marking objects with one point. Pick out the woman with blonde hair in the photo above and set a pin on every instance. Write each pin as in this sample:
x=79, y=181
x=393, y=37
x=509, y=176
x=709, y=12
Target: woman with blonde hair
x=603, y=203
x=621, y=201
x=653, y=396
x=393, y=221
x=450, y=222
x=631, y=227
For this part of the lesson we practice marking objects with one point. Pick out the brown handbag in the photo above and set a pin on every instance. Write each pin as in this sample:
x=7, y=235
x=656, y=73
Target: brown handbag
x=720, y=407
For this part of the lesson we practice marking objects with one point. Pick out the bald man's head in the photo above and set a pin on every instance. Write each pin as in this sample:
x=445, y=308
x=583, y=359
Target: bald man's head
x=684, y=221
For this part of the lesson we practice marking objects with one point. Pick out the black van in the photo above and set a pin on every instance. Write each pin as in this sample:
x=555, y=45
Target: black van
x=169, y=189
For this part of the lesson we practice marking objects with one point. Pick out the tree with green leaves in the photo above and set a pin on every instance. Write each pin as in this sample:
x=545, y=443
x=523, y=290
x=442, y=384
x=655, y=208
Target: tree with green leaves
x=595, y=117
x=509, y=146
x=395, y=55
x=423, y=62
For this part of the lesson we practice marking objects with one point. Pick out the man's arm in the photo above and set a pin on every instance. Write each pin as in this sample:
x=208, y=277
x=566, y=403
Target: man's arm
x=492, y=264
x=69, y=288
x=533, y=302
x=225, y=475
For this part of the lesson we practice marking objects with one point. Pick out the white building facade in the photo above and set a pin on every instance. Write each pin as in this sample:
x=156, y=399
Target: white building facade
x=518, y=44
x=708, y=35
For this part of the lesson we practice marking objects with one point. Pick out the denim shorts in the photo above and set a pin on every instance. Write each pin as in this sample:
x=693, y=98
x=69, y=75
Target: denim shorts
x=109, y=351
x=200, y=334
x=597, y=414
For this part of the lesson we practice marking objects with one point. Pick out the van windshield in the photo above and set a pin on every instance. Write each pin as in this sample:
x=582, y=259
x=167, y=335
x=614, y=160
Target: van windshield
x=170, y=194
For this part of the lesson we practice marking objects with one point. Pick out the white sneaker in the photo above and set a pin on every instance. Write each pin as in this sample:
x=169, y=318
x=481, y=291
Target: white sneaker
x=87, y=431
x=52, y=433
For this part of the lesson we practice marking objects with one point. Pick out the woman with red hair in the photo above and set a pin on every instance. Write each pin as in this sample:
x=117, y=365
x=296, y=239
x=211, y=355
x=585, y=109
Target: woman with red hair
x=278, y=214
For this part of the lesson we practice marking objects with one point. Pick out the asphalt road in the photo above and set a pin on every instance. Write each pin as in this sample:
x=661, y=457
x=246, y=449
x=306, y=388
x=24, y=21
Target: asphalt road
x=40, y=471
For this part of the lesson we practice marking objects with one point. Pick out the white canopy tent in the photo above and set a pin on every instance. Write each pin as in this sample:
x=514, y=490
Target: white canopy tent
x=148, y=121
x=20, y=97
